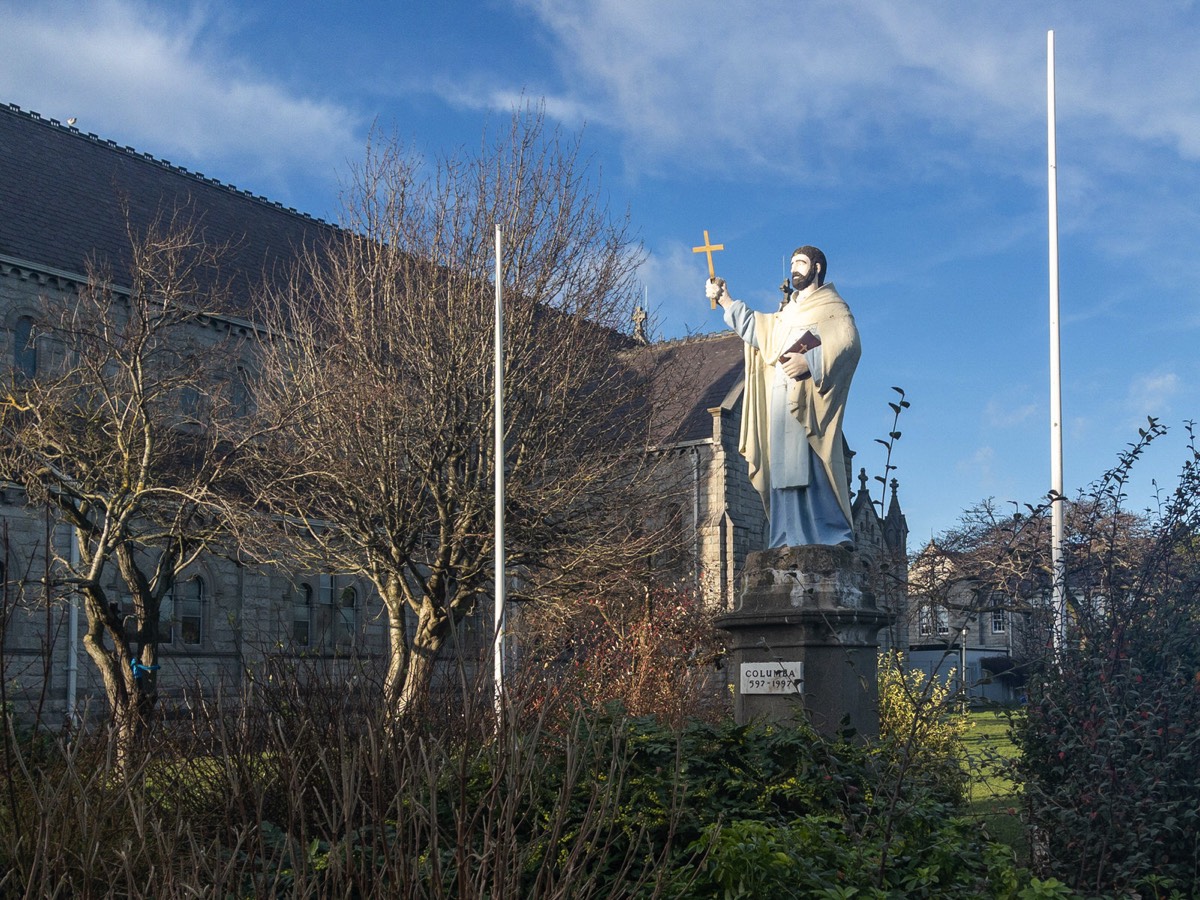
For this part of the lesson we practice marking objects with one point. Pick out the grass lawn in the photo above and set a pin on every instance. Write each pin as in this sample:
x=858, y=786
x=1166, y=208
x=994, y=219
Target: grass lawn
x=992, y=795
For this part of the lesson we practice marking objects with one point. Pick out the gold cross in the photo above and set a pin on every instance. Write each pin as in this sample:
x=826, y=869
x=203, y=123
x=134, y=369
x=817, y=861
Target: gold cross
x=708, y=249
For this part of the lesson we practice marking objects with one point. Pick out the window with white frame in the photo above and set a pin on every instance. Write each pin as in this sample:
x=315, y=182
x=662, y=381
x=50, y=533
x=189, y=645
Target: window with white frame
x=932, y=618
x=925, y=620
x=999, y=622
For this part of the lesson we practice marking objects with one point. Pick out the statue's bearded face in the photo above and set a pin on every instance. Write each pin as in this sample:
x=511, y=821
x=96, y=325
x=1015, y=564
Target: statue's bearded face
x=804, y=272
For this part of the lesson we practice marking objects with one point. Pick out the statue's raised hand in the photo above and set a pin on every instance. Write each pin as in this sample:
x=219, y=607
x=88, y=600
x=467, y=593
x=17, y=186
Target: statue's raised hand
x=714, y=289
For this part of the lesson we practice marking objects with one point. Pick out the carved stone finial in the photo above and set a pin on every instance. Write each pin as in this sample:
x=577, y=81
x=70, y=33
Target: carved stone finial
x=639, y=326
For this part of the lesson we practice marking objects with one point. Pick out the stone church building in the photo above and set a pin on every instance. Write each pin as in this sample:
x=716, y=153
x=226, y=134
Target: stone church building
x=67, y=197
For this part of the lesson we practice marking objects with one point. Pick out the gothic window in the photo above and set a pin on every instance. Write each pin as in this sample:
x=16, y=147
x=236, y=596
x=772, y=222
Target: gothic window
x=166, y=619
x=942, y=616
x=476, y=625
x=325, y=617
x=129, y=622
x=25, y=357
x=327, y=608
x=668, y=523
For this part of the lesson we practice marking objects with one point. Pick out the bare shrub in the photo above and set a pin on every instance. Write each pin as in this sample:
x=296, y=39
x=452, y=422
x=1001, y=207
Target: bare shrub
x=656, y=654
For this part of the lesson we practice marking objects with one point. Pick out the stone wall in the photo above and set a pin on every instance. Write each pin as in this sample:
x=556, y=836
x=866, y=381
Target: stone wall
x=247, y=613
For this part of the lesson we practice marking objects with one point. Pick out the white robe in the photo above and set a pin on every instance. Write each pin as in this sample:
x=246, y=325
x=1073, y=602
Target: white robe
x=789, y=424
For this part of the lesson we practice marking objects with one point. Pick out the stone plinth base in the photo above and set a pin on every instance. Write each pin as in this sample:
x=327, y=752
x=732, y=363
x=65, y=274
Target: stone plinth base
x=808, y=605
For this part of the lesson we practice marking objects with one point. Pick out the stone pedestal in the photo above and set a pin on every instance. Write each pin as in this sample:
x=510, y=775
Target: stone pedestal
x=810, y=606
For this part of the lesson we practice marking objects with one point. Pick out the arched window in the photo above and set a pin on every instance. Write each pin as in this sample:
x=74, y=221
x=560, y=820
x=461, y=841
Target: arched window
x=25, y=361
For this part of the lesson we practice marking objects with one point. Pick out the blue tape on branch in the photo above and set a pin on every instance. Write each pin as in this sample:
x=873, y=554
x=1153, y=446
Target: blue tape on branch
x=138, y=669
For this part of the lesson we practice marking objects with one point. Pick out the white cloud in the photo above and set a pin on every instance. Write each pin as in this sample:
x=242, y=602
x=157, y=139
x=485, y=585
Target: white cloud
x=979, y=469
x=870, y=99
x=1008, y=412
x=1079, y=429
x=482, y=94
x=719, y=81
x=1151, y=395
x=710, y=78
x=674, y=288
x=132, y=72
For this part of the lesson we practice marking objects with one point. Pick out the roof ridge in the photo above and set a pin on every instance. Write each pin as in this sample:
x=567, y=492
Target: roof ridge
x=695, y=337
x=33, y=116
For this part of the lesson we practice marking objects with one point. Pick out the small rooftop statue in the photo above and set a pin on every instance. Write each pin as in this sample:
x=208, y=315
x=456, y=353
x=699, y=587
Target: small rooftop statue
x=639, y=326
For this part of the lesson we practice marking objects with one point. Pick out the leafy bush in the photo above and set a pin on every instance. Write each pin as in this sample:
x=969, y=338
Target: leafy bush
x=1111, y=741
x=1111, y=764
x=922, y=728
x=281, y=802
x=770, y=811
x=816, y=857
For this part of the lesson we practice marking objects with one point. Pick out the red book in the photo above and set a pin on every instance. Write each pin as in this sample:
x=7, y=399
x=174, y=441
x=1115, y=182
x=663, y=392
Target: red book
x=806, y=342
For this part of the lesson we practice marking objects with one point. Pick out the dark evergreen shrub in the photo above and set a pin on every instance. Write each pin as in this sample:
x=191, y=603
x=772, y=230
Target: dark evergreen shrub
x=1111, y=741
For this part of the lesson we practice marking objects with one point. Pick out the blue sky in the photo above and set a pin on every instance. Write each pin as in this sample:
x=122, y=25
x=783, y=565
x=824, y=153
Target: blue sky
x=908, y=140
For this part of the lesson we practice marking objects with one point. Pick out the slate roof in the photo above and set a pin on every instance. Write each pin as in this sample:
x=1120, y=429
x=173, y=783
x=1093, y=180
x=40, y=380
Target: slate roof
x=64, y=196
x=690, y=377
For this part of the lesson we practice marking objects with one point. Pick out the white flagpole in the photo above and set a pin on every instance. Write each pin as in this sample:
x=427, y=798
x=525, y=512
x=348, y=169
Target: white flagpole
x=1056, y=452
x=498, y=457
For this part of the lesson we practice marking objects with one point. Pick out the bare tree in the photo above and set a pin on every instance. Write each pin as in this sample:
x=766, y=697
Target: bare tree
x=999, y=559
x=125, y=432
x=381, y=383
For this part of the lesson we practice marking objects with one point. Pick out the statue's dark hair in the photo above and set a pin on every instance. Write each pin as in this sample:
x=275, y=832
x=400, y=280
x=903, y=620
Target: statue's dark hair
x=817, y=258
